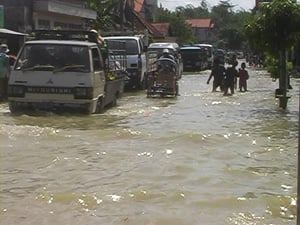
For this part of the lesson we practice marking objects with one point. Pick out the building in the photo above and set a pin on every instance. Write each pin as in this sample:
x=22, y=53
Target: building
x=143, y=12
x=29, y=15
x=203, y=29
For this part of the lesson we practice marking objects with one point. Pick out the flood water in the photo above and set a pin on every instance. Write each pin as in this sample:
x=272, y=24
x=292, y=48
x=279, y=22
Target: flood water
x=200, y=158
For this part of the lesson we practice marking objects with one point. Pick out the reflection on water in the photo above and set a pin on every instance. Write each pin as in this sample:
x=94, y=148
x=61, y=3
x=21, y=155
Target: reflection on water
x=198, y=157
x=69, y=121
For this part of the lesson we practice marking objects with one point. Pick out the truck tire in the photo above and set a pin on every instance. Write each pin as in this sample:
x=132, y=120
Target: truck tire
x=176, y=89
x=143, y=83
x=99, y=107
x=13, y=107
x=88, y=109
x=113, y=103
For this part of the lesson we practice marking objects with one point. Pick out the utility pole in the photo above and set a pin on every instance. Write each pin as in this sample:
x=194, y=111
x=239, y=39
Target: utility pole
x=122, y=7
x=283, y=81
x=298, y=180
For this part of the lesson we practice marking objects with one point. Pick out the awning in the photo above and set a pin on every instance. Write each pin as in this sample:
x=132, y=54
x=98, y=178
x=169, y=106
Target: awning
x=11, y=32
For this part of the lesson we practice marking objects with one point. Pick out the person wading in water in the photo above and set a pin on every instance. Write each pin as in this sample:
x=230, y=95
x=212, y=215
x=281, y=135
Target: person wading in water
x=218, y=72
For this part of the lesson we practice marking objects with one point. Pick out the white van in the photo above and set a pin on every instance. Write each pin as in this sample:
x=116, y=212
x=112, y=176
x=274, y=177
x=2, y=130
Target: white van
x=54, y=74
x=136, y=59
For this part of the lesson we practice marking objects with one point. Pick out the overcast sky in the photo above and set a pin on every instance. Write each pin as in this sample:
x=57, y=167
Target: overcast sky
x=239, y=4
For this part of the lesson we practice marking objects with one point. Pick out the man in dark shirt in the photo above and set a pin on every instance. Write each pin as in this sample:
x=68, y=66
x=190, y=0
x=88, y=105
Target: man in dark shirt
x=218, y=72
x=230, y=78
x=4, y=71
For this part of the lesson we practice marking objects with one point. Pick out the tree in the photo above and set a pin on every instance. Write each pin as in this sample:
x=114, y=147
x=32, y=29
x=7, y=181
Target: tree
x=178, y=27
x=181, y=30
x=111, y=14
x=162, y=15
x=230, y=25
x=275, y=29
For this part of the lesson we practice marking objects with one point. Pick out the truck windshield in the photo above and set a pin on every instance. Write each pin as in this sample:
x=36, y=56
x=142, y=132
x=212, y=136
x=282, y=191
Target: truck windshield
x=131, y=45
x=192, y=54
x=53, y=57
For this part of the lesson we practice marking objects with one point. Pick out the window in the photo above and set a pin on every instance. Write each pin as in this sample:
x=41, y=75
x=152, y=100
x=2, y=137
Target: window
x=54, y=57
x=97, y=60
x=61, y=25
x=43, y=24
x=131, y=45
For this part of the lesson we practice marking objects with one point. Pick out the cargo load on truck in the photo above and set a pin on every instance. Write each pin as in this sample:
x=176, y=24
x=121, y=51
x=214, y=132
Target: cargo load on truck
x=137, y=59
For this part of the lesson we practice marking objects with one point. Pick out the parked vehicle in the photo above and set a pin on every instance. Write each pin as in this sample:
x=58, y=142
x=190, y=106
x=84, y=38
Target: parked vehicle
x=173, y=48
x=194, y=58
x=67, y=72
x=210, y=53
x=164, y=80
x=220, y=54
x=136, y=59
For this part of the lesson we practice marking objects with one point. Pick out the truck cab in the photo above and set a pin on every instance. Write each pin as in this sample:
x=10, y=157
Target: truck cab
x=136, y=59
x=55, y=74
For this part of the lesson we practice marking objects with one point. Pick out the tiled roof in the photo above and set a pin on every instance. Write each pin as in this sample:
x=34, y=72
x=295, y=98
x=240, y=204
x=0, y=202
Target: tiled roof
x=152, y=30
x=200, y=23
x=163, y=28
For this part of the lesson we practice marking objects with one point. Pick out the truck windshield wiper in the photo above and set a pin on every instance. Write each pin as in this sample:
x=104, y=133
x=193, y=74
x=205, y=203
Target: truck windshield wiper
x=70, y=68
x=38, y=67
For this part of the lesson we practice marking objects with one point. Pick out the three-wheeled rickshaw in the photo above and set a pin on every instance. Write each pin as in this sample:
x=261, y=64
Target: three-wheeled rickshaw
x=163, y=81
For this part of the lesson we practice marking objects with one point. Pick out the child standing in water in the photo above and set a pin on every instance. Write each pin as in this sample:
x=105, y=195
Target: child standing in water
x=243, y=77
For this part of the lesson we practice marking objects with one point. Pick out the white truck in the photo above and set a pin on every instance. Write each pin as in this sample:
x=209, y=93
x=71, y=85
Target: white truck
x=63, y=70
x=137, y=61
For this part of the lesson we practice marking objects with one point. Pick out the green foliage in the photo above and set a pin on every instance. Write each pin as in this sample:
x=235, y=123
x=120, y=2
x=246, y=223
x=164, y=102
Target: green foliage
x=272, y=65
x=230, y=25
x=181, y=30
x=222, y=14
x=163, y=15
x=275, y=27
x=108, y=14
x=227, y=22
x=192, y=12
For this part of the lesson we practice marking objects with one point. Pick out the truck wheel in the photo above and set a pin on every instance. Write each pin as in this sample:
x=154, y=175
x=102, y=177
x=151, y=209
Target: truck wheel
x=88, y=109
x=13, y=107
x=114, y=102
x=143, y=83
x=176, y=89
x=99, y=107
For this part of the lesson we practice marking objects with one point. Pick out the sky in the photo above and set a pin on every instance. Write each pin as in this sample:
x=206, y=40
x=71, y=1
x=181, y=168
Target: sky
x=239, y=4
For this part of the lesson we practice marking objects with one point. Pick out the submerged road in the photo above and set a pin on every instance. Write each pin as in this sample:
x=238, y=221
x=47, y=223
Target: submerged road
x=199, y=158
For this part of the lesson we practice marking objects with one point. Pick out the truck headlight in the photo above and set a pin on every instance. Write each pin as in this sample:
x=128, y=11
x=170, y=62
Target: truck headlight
x=16, y=91
x=83, y=93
